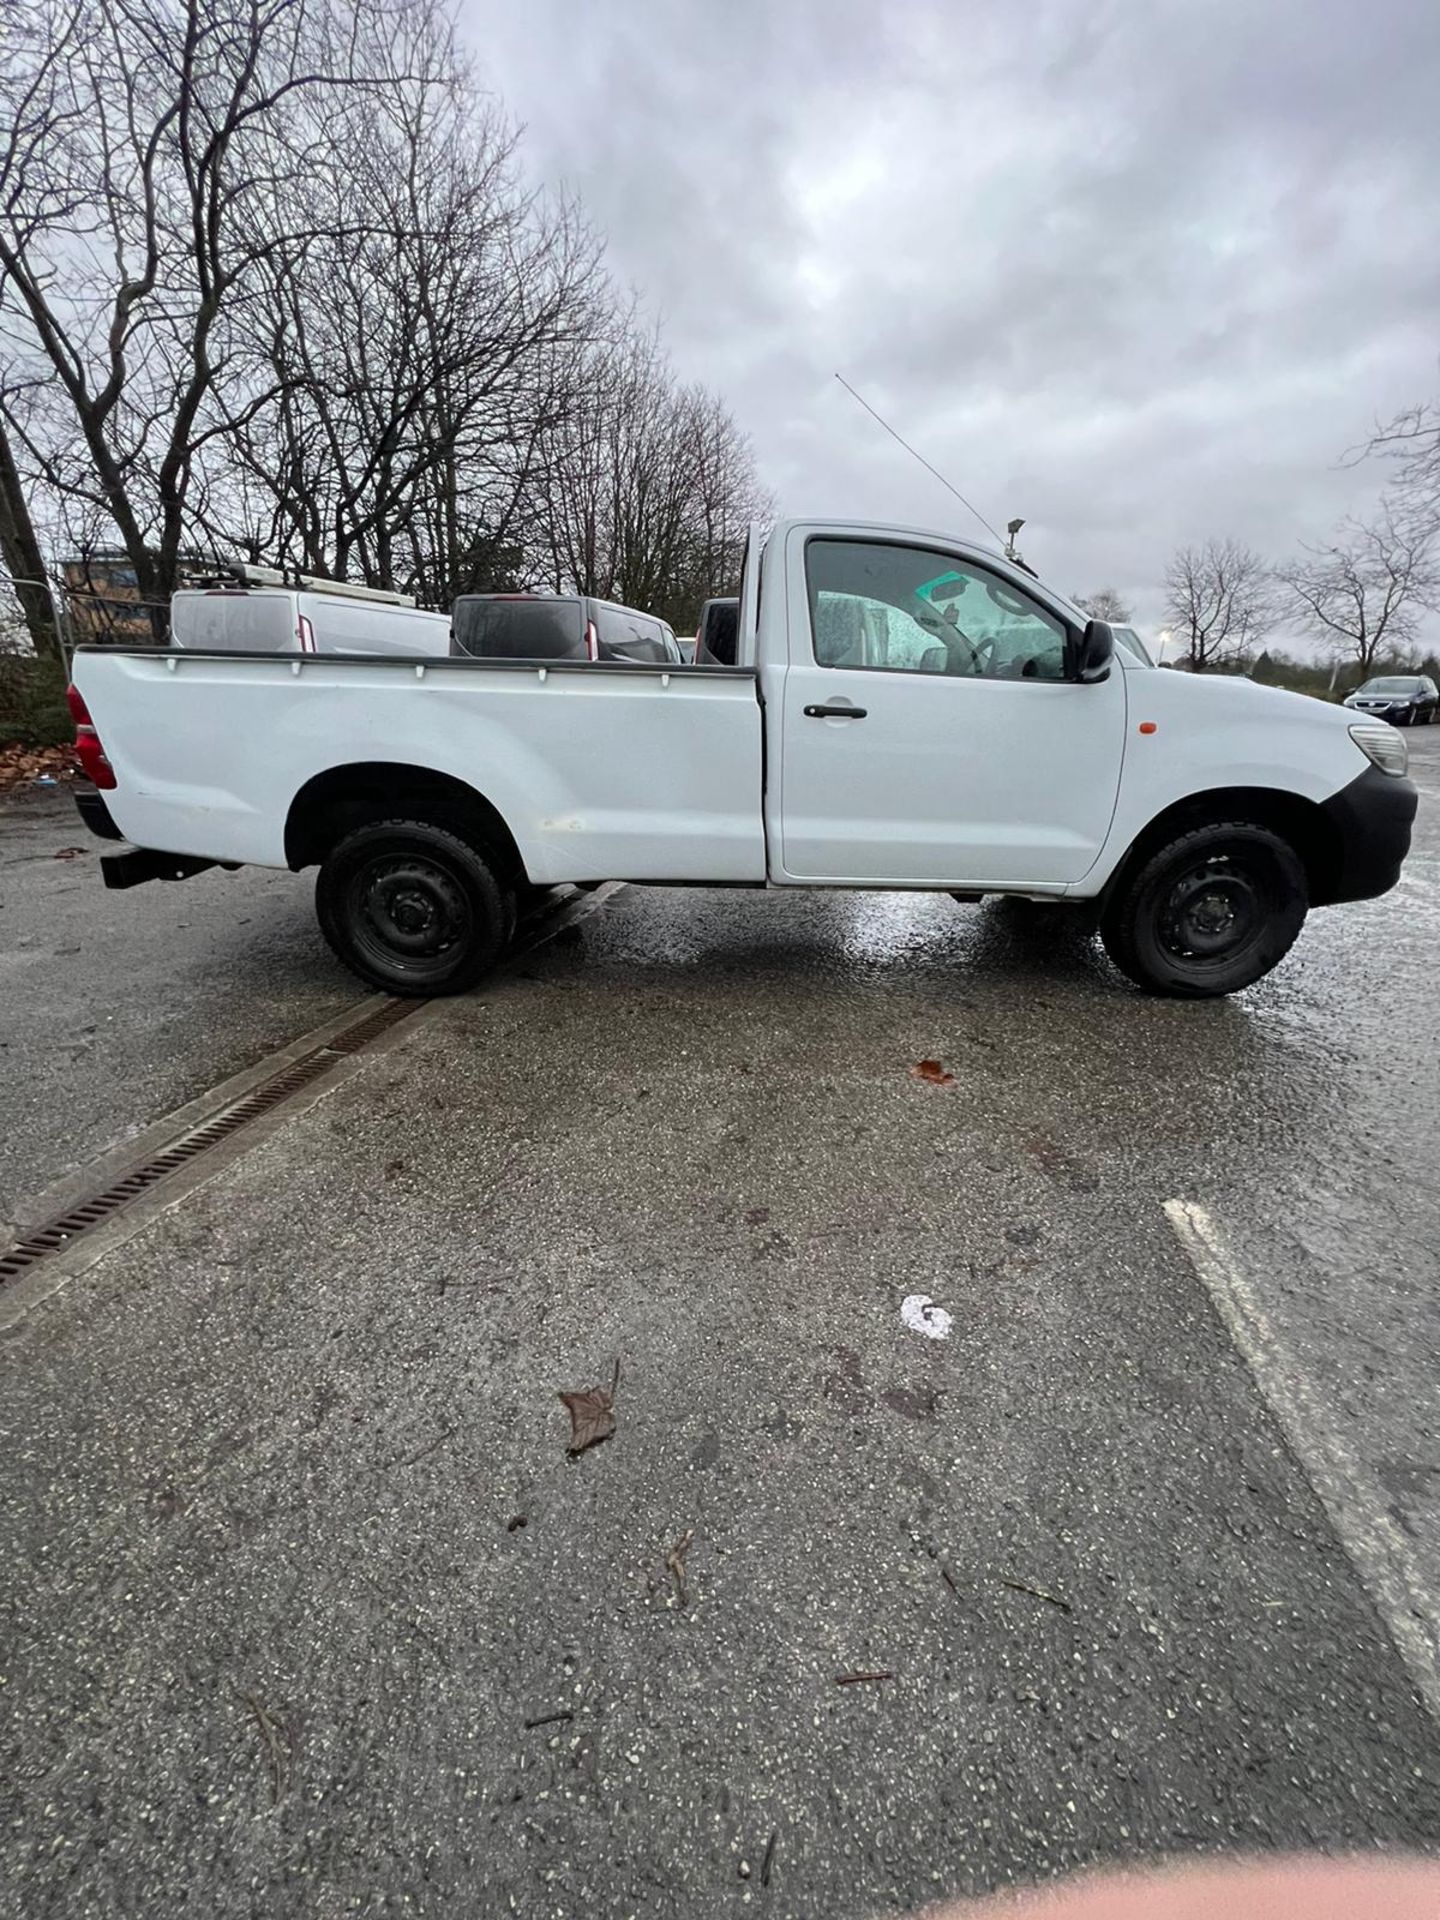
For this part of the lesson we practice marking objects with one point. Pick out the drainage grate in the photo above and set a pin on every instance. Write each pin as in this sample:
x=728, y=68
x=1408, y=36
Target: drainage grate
x=93, y=1212
x=88, y=1214
x=371, y=1026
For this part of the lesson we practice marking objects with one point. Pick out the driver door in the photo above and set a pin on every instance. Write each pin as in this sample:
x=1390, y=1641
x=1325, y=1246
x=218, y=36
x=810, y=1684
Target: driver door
x=928, y=736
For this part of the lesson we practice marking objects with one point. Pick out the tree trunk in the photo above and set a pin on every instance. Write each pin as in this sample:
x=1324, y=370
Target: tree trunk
x=20, y=551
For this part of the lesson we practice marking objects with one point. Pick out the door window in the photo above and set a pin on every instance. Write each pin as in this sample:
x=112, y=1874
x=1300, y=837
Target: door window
x=627, y=635
x=892, y=609
x=518, y=627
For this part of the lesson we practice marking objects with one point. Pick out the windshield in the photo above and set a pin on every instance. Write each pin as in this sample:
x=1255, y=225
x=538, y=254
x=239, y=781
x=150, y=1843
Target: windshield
x=1395, y=684
x=528, y=627
x=1130, y=640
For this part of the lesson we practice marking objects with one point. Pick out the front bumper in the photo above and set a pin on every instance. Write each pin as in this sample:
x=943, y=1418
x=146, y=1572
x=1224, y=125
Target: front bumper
x=1372, y=818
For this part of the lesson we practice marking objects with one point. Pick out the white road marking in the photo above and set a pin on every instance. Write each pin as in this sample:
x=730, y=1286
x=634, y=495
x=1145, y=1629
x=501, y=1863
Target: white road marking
x=1349, y=1492
x=921, y=1315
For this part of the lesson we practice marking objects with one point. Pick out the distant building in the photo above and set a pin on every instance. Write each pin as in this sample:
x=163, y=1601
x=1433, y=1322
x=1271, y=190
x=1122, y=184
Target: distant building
x=104, y=602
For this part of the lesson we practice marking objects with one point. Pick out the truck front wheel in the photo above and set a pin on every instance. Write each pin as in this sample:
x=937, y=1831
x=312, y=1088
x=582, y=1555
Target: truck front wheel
x=413, y=908
x=1207, y=913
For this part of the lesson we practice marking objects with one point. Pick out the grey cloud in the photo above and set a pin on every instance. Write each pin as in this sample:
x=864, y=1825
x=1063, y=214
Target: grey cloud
x=1141, y=272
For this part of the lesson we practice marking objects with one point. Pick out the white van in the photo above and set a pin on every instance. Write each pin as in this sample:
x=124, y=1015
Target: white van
x=261, y=615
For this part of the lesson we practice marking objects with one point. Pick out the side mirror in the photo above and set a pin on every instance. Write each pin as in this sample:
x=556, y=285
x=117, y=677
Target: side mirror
x=1091, y=655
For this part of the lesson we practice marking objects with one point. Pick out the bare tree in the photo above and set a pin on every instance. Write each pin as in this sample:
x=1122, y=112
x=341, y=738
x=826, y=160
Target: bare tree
x=270, y=281
x=1363, y=593
x=650, y=487
x=146, y=147
x=1104, y=604
x=1412, y=440
x=414, y=368
x=1220, y=600
x=24, y=562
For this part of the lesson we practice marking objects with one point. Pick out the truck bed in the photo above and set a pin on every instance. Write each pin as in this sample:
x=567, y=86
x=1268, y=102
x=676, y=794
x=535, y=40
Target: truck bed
x=602, y=771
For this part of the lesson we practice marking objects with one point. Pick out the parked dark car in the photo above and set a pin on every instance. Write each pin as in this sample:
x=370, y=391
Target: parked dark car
x=558, y=626
x=1404, y=699
x=717, y=636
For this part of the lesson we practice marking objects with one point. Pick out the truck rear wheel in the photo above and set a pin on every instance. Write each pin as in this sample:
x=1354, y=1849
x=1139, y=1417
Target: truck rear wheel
x=1208, y=913
x=413, y=908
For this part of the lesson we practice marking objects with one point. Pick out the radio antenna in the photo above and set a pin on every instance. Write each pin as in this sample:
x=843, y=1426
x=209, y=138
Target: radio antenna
x=921, y=458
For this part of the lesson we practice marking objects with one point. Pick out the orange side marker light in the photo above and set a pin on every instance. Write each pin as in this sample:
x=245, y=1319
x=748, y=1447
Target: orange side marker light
x=1147, y=726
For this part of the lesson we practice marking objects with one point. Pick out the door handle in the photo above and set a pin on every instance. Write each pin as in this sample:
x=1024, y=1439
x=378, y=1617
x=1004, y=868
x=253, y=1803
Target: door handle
x=836, y=713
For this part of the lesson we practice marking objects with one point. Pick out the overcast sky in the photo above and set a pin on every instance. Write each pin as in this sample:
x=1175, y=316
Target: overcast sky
x=1141, y=272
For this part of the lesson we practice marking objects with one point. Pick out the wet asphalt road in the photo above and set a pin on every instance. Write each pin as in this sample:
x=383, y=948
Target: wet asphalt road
x=278, y=1626
x=118, y=1007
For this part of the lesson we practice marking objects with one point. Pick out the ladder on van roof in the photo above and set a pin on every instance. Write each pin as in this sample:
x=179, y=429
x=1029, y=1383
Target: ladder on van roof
x=242, y=573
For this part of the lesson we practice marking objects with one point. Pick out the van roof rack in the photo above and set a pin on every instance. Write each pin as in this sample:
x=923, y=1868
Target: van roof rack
x=312, y=583
x=244, y=573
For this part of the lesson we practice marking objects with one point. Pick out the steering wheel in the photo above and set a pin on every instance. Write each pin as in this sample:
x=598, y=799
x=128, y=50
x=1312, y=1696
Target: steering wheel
x=1006, y=597
x=950, y=630
x=984, y=654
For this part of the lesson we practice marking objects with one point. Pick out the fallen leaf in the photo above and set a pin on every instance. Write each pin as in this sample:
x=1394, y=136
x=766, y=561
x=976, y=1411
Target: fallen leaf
x=20, y=766
x=932, y=1073
x=675, y=1563
x=69, y=853
x=278, y=1743
x=1051, y=1158
x=592, y=1415
x=916, y=1403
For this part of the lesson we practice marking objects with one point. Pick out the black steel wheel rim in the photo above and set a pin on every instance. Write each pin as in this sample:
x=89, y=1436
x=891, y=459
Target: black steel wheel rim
x=409, y=913
x=1212, y=912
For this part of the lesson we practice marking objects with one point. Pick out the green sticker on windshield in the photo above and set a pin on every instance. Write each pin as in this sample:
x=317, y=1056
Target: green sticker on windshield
x=931, y=590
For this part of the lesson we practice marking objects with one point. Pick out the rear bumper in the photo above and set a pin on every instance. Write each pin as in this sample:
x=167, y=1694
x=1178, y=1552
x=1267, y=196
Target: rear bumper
x=1372, y=818
x=90, y=805
x=138, y=864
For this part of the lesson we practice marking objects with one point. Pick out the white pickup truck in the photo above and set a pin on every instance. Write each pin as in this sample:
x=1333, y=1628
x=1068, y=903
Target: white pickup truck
x=906, y=711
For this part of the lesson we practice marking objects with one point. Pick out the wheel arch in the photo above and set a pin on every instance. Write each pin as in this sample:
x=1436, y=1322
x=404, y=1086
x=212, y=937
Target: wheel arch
x=1302, y=823
x=337, y=801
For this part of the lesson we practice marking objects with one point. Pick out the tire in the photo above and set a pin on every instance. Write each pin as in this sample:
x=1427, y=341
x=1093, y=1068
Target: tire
x=1208, y=913
x=413, y=908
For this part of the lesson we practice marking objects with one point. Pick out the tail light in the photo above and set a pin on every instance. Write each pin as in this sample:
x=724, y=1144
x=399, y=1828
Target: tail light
x=94, y=762
x=592, y=641
x=305, y=634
